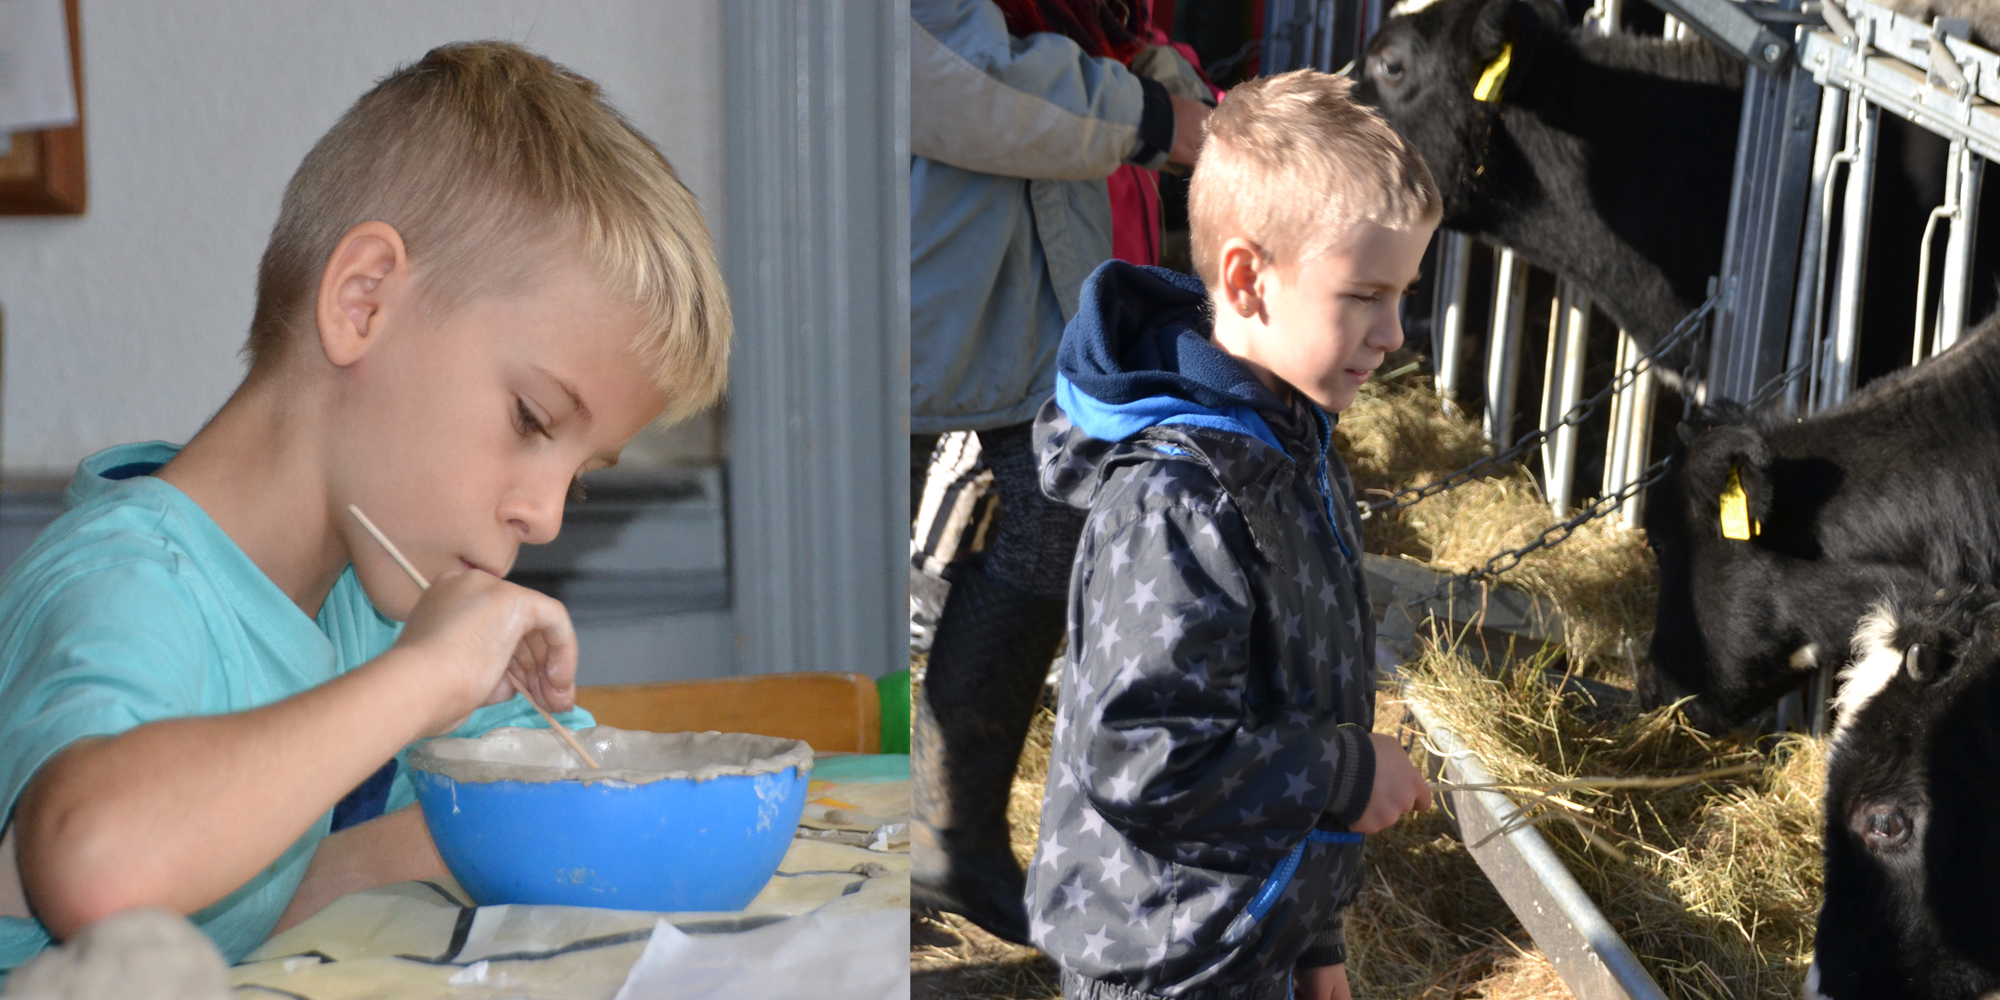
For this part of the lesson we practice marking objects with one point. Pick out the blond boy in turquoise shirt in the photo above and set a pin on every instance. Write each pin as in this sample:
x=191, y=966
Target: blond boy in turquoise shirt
x=482, y=283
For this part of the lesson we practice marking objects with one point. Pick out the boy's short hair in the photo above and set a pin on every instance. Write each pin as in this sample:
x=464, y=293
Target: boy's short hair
x=487, y=159
x=1291, y=162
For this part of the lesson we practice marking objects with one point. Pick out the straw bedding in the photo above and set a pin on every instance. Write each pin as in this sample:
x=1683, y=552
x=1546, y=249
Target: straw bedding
x=1714, y=885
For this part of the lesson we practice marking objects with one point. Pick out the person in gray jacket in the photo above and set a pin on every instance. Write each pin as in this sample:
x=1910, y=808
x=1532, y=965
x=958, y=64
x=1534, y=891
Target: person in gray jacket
x=1011, y=138
x=1213, y=771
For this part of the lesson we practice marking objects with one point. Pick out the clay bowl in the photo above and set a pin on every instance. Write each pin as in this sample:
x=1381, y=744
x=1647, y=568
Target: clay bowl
x=674, y=822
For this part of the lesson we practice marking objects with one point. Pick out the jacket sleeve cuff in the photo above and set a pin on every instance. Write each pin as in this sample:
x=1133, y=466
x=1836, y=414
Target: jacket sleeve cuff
x=1156, y=125
x=1353, y=775
x=1328, y=947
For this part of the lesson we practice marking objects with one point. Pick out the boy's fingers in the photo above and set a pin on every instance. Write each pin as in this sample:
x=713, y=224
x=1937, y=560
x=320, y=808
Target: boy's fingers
x=555, y=648
x=557, y=694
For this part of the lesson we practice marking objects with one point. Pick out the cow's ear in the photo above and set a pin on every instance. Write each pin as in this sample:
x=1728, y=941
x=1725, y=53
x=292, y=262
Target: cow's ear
x=1504, y=38
x=1735, y=451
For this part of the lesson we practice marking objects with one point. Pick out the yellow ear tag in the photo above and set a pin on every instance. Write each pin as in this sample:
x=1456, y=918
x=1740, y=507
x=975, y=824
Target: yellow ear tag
x=1495, y=77
x=1736, y=521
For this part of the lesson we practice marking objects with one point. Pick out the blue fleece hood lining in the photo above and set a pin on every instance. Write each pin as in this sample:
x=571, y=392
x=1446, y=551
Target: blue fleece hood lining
x=1119, y=421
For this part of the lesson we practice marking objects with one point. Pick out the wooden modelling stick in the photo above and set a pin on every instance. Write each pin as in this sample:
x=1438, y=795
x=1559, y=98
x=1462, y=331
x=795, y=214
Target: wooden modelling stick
x=423, y=584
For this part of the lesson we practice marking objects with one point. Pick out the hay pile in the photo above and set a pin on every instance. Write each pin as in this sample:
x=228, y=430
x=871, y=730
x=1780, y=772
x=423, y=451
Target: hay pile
x=1720, y=882
x=1717, y=888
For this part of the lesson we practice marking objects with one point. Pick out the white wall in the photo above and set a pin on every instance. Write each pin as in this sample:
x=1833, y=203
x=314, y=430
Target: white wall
x=124, y=324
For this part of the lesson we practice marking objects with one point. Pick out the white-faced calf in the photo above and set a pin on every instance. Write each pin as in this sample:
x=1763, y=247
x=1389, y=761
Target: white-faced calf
x=1912, y=901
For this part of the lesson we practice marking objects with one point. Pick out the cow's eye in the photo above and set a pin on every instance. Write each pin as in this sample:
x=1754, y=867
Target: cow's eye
x=1388, y=68
x=1884, y=829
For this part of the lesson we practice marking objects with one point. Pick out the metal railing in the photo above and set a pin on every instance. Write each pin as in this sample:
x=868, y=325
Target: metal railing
x=1870, y=60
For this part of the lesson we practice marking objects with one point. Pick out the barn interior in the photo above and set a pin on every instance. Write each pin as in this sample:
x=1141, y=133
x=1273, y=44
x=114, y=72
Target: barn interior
x=1853, y=250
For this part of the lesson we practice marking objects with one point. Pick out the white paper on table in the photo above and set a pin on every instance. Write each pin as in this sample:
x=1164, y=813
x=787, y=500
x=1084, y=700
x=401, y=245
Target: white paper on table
x=35, y=86
x=824, y=956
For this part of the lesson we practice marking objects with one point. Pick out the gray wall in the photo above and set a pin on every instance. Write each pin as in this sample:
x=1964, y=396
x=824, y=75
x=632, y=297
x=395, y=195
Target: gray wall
x=124, y=324
x=819, y=255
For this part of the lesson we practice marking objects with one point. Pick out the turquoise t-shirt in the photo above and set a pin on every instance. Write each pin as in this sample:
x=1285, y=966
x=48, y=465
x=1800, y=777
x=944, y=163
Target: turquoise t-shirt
x=135, y=606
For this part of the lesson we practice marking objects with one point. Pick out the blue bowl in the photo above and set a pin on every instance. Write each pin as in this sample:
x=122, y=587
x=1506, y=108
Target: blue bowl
x=674, y=822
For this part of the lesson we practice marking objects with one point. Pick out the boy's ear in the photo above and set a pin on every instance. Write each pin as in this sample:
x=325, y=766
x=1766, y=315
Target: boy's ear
x=1238, y=267
x=367, y=273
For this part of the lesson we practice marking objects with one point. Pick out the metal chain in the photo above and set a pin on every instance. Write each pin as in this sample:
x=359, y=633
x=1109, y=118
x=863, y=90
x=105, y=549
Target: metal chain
x=1550, y=537
x=1557, y=533
x=1689, y=327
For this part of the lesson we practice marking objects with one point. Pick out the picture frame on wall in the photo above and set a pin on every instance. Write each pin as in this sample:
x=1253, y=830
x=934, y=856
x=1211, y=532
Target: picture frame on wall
x=42, y=171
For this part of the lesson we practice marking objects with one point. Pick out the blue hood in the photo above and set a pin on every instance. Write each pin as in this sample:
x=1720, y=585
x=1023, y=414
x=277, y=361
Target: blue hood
x=1137, y=355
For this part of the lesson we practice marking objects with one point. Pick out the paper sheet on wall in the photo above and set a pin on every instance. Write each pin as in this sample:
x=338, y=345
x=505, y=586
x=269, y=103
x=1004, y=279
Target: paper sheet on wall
x=35, y=86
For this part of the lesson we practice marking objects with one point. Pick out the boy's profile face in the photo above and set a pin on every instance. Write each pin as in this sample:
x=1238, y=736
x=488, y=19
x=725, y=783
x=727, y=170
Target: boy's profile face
x=1322, y=326
x=461, y=436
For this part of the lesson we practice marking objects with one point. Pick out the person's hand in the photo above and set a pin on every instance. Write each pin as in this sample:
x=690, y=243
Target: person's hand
x=1325, y=982
x=472, y=629
x=1188, y=118
x=1398, y=787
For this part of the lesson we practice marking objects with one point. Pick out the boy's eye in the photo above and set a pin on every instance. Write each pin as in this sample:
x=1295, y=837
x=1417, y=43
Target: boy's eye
x=526, y=419
x=576, y=490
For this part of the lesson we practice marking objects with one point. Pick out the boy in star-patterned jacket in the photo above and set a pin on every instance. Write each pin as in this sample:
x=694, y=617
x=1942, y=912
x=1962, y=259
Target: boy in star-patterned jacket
x=1213, y=769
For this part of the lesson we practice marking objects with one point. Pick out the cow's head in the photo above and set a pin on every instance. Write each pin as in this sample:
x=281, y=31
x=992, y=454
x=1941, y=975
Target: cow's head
x=1716, y=632
x=1912, y=893
x=1422, y=70
x=1741, y=620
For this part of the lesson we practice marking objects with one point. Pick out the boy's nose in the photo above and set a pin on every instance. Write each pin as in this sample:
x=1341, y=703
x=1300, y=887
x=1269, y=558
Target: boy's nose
x=537, y=514
x=1389, y=335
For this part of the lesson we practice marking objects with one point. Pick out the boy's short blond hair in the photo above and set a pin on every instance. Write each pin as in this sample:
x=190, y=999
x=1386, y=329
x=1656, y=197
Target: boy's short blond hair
x=1291, y=163
x=488, y=160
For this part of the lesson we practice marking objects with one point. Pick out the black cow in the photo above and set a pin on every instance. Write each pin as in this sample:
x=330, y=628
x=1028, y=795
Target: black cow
x=1895, y=492
x=1608, y=160
x=1912, y=892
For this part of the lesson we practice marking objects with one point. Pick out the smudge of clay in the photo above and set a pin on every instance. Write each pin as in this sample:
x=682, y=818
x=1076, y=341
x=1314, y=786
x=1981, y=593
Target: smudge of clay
x=481, y=973
x=771, y=796
x=628, y=756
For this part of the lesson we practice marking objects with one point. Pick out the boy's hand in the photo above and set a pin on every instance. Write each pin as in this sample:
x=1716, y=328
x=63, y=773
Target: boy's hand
x=1325, y=982
x=473, y=629
x=1398, y=788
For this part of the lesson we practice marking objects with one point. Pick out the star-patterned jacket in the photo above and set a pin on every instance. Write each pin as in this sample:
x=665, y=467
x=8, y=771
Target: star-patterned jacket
x=1219, y=685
